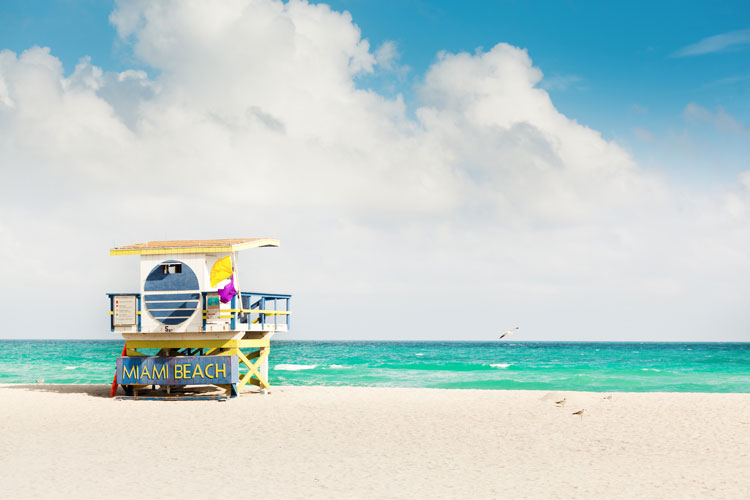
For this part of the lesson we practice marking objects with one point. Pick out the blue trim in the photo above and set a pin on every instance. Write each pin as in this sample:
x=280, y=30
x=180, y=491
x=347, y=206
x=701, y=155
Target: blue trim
x=234, y=315
x=204, y=308
x=172, y=321
x=174, y=398
x=173, y=313
x=139, y=310
x=172, y=296
x=172, y=305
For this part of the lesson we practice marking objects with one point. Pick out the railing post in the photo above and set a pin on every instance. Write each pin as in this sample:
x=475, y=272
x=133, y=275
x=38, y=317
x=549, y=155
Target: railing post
x=139, y=313
x=262, y=315
x=204, y=311
x=233, y=305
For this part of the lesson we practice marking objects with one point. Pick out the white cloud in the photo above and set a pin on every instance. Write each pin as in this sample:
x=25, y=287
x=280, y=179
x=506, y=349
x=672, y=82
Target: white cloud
x=745, y=179
x=490, y=207
x=561, y=82
x=387, y=54
x=643, y=134
x=716, y=43
x=720, y=120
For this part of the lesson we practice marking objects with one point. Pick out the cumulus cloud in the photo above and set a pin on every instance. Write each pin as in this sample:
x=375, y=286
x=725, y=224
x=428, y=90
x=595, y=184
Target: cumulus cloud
x=486, y=207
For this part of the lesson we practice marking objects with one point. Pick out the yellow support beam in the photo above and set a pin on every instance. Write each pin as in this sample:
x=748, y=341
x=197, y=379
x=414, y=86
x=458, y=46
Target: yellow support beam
x=252, y=343
x=247, y=377
x=253, y=369
x=179, y=344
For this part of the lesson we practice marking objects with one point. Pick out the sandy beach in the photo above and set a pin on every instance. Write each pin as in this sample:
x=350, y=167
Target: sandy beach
x=322, y=442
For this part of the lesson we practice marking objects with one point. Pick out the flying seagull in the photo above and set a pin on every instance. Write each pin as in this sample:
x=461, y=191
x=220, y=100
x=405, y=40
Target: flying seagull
x=579, y=413
x=509, y=332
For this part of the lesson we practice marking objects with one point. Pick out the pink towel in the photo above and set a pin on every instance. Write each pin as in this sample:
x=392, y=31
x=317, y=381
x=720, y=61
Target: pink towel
x=226, y=293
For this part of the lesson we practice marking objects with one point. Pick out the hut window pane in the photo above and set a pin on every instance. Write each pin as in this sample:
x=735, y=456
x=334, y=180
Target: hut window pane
x=171, y=268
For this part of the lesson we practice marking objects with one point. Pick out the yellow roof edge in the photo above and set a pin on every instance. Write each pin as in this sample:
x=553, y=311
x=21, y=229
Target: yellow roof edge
x=261, y=242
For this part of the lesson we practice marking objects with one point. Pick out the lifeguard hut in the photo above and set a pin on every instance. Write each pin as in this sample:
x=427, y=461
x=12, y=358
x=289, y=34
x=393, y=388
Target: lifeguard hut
x=191, y=322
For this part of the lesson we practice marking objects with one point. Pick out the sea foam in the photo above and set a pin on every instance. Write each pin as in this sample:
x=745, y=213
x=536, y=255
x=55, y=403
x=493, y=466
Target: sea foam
x=294, y=368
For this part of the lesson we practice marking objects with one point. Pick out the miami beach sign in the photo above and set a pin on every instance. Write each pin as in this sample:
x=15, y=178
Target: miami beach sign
x=178, y=370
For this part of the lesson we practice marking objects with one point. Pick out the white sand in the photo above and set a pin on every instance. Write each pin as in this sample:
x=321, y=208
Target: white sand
x=69, y=441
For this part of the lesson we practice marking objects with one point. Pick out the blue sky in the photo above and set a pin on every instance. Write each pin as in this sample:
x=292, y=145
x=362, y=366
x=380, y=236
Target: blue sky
x=615, y=68
x=481, y=197
x=610, y=66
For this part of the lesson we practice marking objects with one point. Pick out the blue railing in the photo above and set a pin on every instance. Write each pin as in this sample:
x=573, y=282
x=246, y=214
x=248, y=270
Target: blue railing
x=266, y=306
x=266, y=310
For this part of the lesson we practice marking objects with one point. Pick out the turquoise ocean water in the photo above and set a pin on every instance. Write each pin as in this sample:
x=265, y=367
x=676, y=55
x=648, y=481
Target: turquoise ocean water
x=583, y=366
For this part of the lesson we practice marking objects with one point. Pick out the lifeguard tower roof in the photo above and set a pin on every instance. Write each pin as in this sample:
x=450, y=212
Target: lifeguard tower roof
x=194, y=246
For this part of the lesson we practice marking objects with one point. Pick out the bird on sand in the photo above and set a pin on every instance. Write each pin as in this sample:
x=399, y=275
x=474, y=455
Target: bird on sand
x=561, y=402
x=509, y=332
x=579, y=413
x=608, y=396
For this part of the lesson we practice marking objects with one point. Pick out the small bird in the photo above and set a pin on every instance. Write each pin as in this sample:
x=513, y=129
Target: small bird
x=609, y=396
x=509, y=332
x=579, y=413
x=561, y=402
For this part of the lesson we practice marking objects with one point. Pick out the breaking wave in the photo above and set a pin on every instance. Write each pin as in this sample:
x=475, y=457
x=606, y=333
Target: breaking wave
x=294, y=368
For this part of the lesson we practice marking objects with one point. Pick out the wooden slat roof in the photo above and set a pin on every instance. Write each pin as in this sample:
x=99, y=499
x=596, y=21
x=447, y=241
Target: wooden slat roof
x=194, y=246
